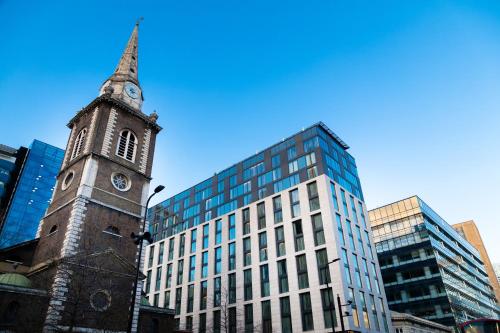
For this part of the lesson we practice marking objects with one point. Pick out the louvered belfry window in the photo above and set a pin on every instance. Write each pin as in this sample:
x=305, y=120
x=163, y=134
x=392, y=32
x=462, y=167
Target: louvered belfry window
x=127, y=144
x=78, y=145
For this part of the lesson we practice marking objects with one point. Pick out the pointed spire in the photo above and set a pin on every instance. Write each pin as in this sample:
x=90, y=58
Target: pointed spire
x=127, y=67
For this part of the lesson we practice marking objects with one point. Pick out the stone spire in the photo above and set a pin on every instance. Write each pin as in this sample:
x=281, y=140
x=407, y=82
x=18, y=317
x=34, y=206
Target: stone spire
x=124, y=83
x=127, y=67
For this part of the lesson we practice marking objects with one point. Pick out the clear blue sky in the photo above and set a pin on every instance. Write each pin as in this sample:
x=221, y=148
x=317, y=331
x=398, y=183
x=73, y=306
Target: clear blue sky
x=412, y=86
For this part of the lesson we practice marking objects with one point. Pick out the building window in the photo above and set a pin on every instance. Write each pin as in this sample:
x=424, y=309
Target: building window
x=218, y=260
x=217, y=321
x=286, y=315
x=328, y=308
x=78, y=144
x=280, y=242
x=317, y=224
x=302, y=271
x=261, y=215
x=267, y=326
x=354, y=307
x=182, y=243
x=189, y=323
x=364, y=308
x=306, y=312
x=178, y=300
x=205, y=235
x=168, y=282
x=356, y=270
x=282, y=276
x=292, y=153
x=340, y=229
x=232, y=320
x=349, y=233
x=232, y=288
x=217, y=291
x=204, y=264
x=68, y=180
x=362, y=213
x=264, y=281
x=203, y=323
x=323, y=268
x=193, y=241
x=374, y=312
x=367, y=276
x=247, y=284
x=190, y=300
x=120, y=181
x=53, y=229
x=275, y=161
x=203, y=295
x=218, y=232
x=127, y=144
x=360, y=241
x=295, y=203
x=166, y=300
x=232, y=227
x=148, y=281
x=247, y=252
x=180, y=271
x=249, y=318
x=171, y=248
x=246, y=221
x=232, y=256
x=278, y=212
x=192, y=265
x=263, y=246
x=298, y=235
x=160, y=253
x=151, y=256
x=375, y=276
x=158, y=279
x=346, y=266
x=344, y=203
x=312, y=191
x=334, y=197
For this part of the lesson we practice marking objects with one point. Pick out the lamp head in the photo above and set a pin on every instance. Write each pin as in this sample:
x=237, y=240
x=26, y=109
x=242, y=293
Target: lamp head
x=159, y=188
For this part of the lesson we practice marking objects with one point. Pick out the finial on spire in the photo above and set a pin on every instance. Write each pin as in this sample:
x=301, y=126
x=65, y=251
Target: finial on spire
x=139, y=20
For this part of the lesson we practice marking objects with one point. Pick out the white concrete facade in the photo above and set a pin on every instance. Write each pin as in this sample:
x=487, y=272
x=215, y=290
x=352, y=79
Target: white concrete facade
x=332, y=245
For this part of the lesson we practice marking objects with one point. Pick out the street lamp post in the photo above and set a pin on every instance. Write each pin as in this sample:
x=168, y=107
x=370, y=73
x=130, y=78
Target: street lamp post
x=332, y=318
x=138, y=240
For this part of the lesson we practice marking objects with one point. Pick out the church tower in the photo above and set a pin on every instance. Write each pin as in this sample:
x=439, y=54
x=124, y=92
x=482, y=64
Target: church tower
x=98, y=202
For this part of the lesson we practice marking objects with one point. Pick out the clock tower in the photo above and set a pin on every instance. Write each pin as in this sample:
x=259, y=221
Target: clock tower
x=84, y=246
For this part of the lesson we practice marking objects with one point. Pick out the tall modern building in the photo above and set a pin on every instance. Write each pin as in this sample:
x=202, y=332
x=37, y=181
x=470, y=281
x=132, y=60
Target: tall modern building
x=11, y=163
x=470, y=232
x=428, y=269
x=247, y=250
x=30, y=188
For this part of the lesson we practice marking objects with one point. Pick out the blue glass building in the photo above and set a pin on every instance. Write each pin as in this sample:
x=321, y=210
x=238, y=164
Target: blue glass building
x=428, y=269
x=314, y=151
x=32, y=193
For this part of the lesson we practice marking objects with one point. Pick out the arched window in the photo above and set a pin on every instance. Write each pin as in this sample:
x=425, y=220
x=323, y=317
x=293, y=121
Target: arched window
x=112, y=230
x=53, y=229
x=127, y=144
x=80, y=140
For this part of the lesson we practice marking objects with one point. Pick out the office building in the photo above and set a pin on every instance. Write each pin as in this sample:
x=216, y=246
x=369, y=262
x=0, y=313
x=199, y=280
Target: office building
x=11, y=162
x=428, y=269
x=470, y=232
x=248, y=249
x=30, y=188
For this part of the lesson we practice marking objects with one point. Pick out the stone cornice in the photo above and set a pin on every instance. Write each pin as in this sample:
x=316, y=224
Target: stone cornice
x=114, y=102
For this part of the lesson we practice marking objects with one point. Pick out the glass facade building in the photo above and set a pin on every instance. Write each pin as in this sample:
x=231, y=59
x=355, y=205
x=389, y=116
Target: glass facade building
x=428, y=269
x=32, y=193
x=11, y=162
x=247, y=250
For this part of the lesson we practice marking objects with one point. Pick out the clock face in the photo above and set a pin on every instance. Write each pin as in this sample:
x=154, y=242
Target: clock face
x=132, y=90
